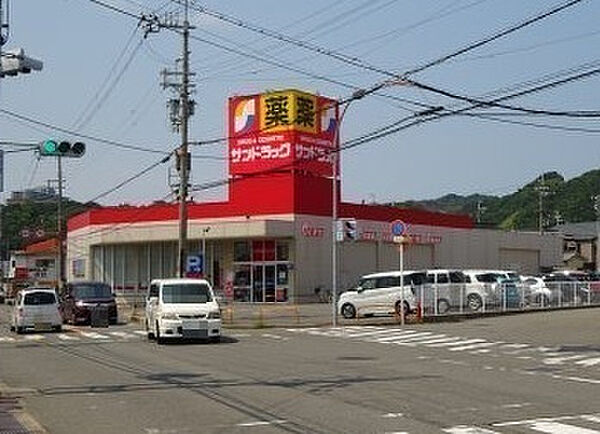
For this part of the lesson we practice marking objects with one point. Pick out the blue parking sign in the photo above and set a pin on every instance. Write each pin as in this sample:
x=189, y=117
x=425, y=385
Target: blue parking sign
x=195, y=264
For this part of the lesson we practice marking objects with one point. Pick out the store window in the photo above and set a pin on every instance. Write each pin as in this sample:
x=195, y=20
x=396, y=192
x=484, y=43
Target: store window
x=241, y=251
x=283, y=251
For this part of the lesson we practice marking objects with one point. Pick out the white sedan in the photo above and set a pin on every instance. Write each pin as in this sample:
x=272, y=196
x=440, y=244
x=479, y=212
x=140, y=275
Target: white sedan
x=36, y=309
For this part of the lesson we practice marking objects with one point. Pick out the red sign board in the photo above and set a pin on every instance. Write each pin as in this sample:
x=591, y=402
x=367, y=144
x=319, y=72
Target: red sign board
x=281, y=130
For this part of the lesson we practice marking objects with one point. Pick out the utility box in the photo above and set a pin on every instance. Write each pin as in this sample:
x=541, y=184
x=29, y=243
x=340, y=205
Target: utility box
x=99, y=316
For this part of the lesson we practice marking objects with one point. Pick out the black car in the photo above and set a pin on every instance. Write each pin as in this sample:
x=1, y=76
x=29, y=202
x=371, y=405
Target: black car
x=80, y=298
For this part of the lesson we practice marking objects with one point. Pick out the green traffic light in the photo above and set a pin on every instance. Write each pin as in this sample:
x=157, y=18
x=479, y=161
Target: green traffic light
x=50, y=146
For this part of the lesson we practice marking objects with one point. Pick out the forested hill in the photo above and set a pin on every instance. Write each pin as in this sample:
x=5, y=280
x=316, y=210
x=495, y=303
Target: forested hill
x=563, y=202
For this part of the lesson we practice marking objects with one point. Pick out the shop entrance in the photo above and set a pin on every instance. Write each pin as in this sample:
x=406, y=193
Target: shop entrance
x=263, y=290
x=261, y=271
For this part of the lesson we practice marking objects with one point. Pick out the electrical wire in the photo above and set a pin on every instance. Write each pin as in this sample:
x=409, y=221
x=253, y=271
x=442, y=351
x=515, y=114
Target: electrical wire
x=95, y=138
x=79, y=121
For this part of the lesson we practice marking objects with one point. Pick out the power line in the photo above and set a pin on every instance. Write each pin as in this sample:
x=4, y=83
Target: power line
x=95, y=138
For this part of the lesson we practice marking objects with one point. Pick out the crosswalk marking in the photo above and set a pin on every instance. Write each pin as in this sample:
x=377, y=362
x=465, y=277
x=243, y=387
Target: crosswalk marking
x=140, y=332
x=93, y=335
x=66, y=337
x=589, y=362
x=560, y=428
x=6, y=339
x=121, y=335
x=563, y=359
x=400, y=337
x=463, y=429
x=474, y=346
x=34, y=337
x=452, y=344
x=417, y=337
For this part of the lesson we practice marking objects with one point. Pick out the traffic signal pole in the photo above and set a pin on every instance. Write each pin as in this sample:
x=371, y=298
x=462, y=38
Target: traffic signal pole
x=59, y=227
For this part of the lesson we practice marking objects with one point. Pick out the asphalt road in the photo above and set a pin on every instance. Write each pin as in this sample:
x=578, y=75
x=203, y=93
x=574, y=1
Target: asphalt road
x=517, y=374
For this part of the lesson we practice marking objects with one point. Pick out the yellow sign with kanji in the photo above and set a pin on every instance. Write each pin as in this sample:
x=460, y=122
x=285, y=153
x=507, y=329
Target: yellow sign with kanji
x=288, y=110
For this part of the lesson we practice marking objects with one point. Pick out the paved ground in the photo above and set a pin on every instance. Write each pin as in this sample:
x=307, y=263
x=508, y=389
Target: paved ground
x=535, y=373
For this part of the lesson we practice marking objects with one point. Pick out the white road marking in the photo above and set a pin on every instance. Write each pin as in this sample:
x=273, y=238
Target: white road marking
x=6, y=339
x=392, y=415
x=464, y=429
x=521, y=405
x=66, y=337
x=140, y=332
x=589, y=362
x=591, y=418
x=560, y=428
x=544, y=419
x=395, y=339
x=377, y=332
x=577, y=379
x=121, y=334
x=261, y=423
x=474, y=346
x=34, y=337
x=516, y=346
x=451, y=344
x=93, y=335
x=431, y=340
x=561, y=360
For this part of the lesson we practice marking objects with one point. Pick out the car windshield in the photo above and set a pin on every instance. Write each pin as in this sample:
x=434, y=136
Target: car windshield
x=186, y=293
x=39, y=298
x=489, y=278
x=92, y=290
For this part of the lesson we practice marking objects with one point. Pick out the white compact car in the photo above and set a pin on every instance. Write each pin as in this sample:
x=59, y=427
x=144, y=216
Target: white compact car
x=36, y=309
x=182, y=309
x=380, y=293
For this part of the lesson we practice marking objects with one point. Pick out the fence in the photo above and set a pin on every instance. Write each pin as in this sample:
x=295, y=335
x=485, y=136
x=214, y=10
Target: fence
x=447, y=299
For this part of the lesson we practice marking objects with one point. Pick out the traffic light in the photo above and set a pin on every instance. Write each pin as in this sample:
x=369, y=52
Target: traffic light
x=53, y=148
x=350, y=231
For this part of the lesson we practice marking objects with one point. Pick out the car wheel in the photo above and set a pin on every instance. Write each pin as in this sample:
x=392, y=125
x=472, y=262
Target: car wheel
x=159, y=339
x=12, y=328
x=443, y=306
x=348, y=311
x=57, y=328
x=474, y=302
x=215, y=339
x=149, y=334
x=398, y=307
x=20, y=330
x=542, y=300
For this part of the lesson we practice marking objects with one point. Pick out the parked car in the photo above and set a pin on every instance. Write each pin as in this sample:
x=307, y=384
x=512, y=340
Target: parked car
x=182, y=308
x=539, y=293
x=444, y=289
x=381, y=293
x=491, y=287
x=79, y=298
x=570, y=287
x=36, y=309
x=2, y=294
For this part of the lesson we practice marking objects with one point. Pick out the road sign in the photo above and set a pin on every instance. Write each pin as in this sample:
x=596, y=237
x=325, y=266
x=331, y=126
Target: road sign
x=194, y=264
x=399, y=228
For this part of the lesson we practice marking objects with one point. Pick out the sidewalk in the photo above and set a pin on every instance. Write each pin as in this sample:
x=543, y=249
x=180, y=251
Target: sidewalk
x=247, y=316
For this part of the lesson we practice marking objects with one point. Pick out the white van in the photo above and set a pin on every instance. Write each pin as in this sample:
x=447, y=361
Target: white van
x=182, y=308
x=380, y=293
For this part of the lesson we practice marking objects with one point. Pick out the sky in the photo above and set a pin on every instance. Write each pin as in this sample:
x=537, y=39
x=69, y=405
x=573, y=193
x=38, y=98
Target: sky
x=101, y=78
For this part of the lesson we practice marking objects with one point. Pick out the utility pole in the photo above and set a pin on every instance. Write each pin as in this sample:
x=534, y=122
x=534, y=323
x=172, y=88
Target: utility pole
x=180, y=110
x=596, y=205
x=480, y=210
x=542, y=190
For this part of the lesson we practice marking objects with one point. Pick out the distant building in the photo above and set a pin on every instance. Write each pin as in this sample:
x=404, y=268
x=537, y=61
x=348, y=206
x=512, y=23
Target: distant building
x=580, y=245
x=36, y=194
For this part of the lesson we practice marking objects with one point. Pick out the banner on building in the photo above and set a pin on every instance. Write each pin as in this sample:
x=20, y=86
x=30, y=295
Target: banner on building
x=282, y=130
